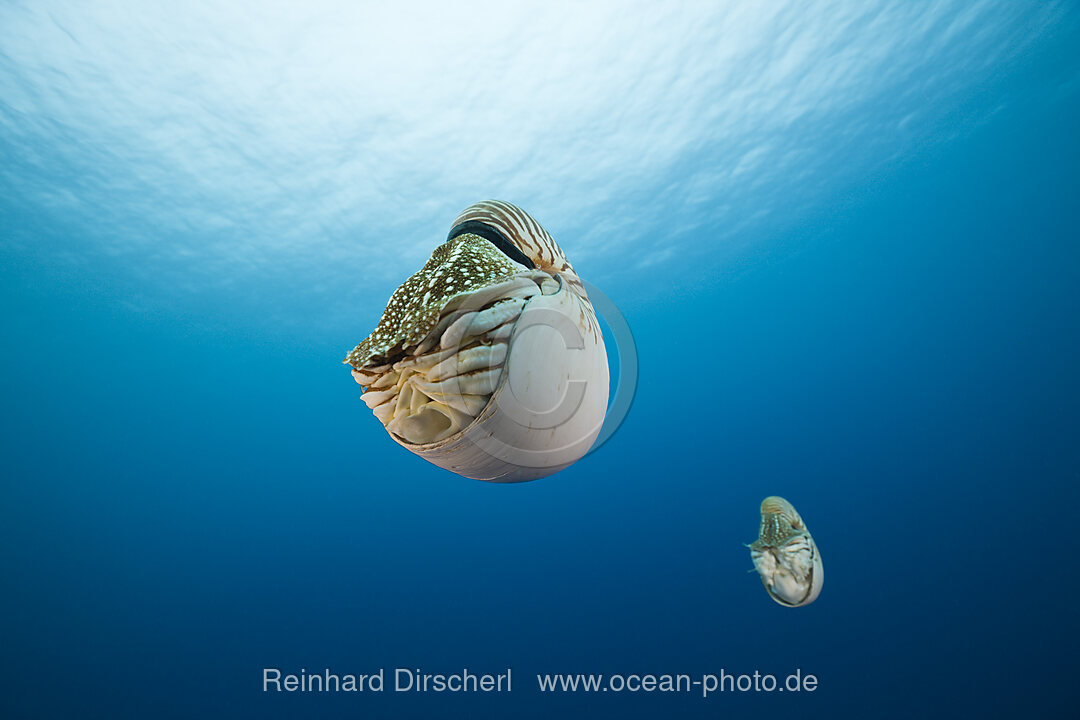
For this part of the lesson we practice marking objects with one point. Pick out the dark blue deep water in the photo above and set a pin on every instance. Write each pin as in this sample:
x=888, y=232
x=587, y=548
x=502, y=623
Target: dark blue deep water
x=845, y=237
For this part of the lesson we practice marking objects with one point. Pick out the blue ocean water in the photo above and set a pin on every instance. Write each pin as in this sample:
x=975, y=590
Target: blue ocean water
x=844, y=237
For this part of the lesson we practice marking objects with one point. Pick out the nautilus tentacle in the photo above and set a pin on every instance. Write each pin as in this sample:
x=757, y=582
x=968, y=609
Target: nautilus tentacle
x=489, y=361
x=785, y=555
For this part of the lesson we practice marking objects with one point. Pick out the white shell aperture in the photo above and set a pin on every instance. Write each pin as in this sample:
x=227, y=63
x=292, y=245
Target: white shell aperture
x=785, y=555
x=489, y=361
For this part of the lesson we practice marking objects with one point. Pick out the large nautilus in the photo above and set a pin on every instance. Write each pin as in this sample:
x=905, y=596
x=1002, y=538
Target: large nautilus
x=785, y=556
x=489, y=362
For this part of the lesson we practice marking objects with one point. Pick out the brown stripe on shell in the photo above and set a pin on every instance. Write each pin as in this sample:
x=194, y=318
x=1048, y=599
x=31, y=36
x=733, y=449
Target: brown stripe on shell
x=533, y=240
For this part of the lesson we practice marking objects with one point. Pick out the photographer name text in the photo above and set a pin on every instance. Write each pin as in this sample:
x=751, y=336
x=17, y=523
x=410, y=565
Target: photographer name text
x=396, y=679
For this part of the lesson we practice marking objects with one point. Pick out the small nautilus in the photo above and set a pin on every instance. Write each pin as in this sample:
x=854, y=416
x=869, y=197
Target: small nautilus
x=489, y=362
x=785, y=555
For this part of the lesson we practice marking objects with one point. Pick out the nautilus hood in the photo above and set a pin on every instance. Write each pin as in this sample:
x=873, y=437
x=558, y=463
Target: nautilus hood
x=459, y=268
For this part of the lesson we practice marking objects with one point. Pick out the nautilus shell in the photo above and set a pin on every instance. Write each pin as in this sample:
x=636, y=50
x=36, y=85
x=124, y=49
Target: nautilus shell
x=489, y=362
x=785, y=555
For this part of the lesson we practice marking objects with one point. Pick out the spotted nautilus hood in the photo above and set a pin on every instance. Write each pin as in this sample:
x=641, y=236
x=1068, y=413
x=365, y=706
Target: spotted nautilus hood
x=489, y=360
